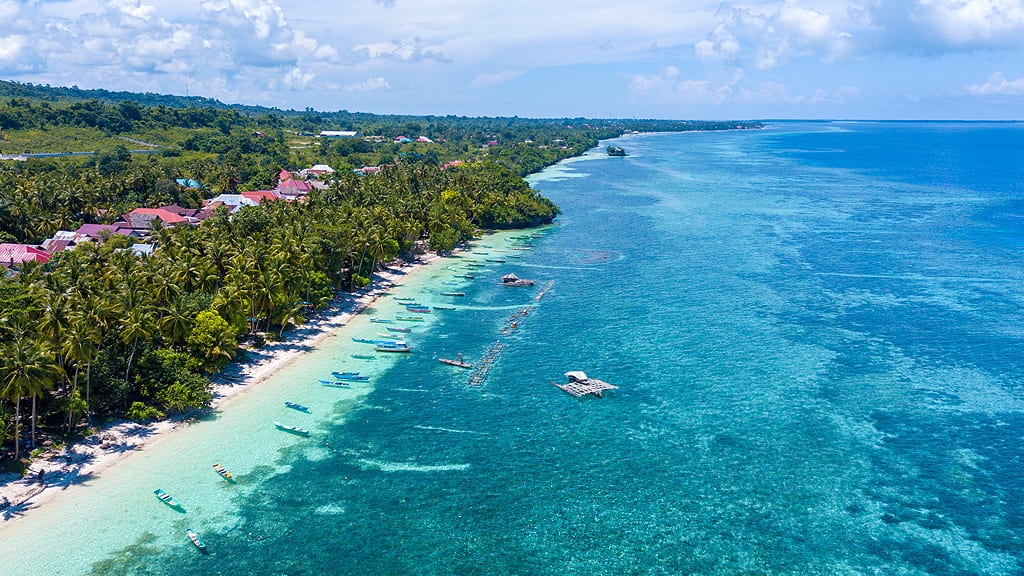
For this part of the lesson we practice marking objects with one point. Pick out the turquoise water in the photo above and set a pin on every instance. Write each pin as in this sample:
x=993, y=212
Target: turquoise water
x=817, y=333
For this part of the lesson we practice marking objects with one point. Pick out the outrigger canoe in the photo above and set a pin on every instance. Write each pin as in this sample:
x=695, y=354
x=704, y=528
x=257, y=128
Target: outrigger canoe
x=296, y=406
x=452, y=293
x=364, y=356
x=458, y=363
x=369, y=341
x=220, y=470
x=408, y=318
x=334, y=383
x=292, y=429
x=168, y=499
x=196, y=540
x=344, y=373
x=399, y=329
x=381, y=321
x=418, y=310
x=393, y=349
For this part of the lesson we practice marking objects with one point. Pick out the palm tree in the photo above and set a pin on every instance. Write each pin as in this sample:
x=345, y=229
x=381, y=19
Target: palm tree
x=26, y=369
x=135, y=326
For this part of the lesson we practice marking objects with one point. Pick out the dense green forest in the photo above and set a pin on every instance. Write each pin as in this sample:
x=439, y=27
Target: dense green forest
x=98, y=332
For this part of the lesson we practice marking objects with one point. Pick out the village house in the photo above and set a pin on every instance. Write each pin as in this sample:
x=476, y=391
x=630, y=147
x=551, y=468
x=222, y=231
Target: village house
x=11, y=254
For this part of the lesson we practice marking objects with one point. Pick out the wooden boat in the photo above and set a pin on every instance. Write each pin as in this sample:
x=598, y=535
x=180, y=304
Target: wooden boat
x=458, y=363
x=196, y=540
x=344, y=373
x=393, y=349
x=292, y=429
x=220, y=470
x=400, y=298
x=408, y=319
x=444, y=308
x=419, y=310
x=392, y=336
x=399, y=329
x=495, y=260
x=364, y=356
x=381, y=320
x=368, y=341
x=452, y=293
x=333, y=384
x=412, y=304
x=351, y=379
x=296, y=406
x=481, y=253
x=168, y=499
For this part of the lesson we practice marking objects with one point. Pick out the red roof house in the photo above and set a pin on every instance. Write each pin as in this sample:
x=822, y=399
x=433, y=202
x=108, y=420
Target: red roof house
x=143, y=217
x=260, y=196
x=11, y=254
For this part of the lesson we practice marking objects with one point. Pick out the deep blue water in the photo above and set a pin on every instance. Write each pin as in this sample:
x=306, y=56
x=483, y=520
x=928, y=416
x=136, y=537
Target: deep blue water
x=817, y=331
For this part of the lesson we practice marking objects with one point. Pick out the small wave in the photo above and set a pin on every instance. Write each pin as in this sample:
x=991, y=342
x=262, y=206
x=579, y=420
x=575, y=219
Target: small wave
x=330, y=509
x=407, y=467
x=449, y=430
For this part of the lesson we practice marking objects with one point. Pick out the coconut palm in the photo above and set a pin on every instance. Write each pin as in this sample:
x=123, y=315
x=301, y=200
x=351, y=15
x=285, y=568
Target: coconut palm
x=26, y=369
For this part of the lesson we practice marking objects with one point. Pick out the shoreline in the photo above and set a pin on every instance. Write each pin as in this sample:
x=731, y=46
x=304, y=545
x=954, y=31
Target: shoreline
x=55, y=471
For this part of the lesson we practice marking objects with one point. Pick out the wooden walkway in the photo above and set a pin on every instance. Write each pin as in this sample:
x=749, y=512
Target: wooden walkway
x=514, y=322
x=485, y=364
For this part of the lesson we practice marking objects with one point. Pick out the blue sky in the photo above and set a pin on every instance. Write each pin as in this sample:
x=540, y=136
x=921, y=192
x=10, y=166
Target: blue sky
x=692, y=59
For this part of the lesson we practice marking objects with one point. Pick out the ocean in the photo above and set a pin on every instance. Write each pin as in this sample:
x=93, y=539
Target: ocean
x=816, y=331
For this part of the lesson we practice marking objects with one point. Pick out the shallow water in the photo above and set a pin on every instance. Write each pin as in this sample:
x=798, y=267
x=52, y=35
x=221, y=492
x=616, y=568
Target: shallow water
x=816, y=330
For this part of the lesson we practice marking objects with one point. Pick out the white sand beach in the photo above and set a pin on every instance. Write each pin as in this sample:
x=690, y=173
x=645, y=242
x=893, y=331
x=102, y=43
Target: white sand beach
x=55, y=471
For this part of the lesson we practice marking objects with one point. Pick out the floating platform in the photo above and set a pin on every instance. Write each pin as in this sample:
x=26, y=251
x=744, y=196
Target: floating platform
x=580, y=384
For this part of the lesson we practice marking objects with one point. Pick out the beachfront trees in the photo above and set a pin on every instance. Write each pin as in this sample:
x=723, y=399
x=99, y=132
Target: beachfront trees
x=26, y=370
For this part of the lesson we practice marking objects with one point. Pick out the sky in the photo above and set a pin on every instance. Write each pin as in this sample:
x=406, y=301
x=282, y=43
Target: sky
x=682, y=59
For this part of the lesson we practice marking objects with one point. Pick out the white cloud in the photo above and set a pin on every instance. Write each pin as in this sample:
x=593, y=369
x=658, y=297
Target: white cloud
x=974, y=22
x=369, y=85
x=495, y=78
x=11, y=47
x=998, y=85
x=8, y=11
x=771, y=38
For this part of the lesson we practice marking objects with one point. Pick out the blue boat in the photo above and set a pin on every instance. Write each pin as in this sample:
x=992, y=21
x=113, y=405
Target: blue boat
x=168, y=499
x=399, y=329
x=381, y=320
x=344, y=373
x=296, y=406
x=198, y=542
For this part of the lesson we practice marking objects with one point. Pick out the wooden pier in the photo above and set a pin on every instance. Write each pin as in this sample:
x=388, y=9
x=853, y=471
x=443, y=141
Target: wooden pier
x=485, y=364
x=511, y=325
